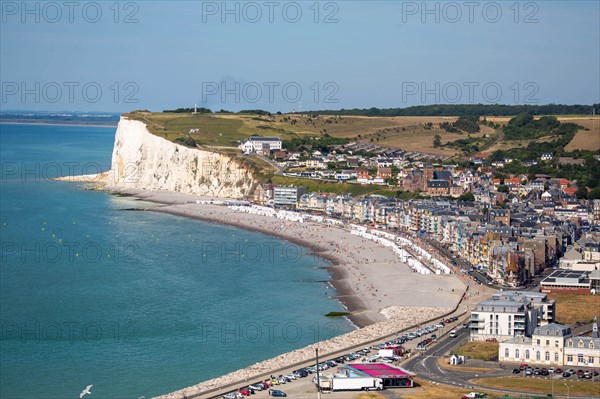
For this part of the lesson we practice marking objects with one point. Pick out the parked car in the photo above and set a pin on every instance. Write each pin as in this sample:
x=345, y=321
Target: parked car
x=516, y=371
x=277, y=393
x=566, y=374
x=491, y=339
x=473, y=395
x=558, y=370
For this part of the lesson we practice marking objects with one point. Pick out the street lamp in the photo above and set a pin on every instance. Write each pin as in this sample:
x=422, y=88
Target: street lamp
x=568, y=390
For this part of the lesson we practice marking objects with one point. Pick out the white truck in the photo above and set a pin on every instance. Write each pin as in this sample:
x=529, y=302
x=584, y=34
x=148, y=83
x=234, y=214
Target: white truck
x=356, y=384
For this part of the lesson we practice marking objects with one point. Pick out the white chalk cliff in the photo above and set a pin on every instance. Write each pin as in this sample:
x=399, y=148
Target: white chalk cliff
x=141, y=160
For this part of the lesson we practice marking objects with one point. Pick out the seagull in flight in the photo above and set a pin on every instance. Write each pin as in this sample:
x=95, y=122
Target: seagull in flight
x=85, y=391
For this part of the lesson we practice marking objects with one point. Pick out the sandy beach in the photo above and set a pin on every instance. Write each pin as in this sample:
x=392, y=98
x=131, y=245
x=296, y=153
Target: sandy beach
x=383, y=294
x=368, y=277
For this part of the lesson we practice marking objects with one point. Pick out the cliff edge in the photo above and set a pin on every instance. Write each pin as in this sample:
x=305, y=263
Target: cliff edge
x=141, y=160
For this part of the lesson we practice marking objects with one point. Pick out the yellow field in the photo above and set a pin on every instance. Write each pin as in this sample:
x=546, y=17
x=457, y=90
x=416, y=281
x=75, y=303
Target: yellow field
x=542, y=386
x=479, y=350
x=409, y=133
x=428, y=390
x=586, y=140
x=571, y=308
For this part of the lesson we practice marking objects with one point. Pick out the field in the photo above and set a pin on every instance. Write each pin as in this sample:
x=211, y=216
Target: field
x=445, y=362
x=585, y=140
x=571, y=308
x=428, y=390
x=543, y=386
x=479, y=350
x=410, y=133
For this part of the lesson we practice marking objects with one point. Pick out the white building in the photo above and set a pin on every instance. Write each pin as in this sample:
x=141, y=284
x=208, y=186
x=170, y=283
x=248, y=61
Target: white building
x=553, y=345
x=546, y=346
x=255, y=144
x=510, y=313
x=582, y=351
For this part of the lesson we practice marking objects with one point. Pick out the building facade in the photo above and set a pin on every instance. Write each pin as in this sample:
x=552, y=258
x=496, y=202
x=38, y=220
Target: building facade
x=287, y=195
x=258, y=144
x=552, y=345
x=509, y=314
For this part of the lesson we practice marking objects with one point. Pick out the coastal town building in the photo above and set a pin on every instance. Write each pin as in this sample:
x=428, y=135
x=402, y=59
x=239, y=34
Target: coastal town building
x=567, y=281
x=508, y=314
x=259, y=144
x=287, y=195
x=553, y=345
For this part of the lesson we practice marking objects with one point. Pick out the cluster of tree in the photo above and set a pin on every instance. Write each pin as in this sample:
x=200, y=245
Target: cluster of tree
x=469, y=124
x=188, y=110
x=255, y=111
x=524, y=126
x=468, y=110
x=186, y=141
x=203, y=110
x=470, y=144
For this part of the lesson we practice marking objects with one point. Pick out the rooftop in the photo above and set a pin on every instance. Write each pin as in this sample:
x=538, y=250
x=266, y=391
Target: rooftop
x=381, y=370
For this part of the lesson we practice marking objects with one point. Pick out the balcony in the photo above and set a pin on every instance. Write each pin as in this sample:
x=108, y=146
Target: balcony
x=519, y=326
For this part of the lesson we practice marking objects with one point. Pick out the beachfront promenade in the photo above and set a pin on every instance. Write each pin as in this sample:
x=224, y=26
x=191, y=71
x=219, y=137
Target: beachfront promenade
x=387, y=282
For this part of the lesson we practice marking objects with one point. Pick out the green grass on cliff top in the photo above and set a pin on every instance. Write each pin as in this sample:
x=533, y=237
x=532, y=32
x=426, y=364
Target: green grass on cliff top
x=228, y=129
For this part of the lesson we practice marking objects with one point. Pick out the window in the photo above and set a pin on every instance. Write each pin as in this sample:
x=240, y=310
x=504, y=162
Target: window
x=538, y=341
x=591, y=344
x=570, y=344
x=570, y=358
x=580, y=344
x=591, y=360
x=556, y=356
x=527, y=354
x=547, y=342
x=580, y=358
x=516, y=353
x=556, y=344
x=537, y=355
x=506, y=353
x=547, y=356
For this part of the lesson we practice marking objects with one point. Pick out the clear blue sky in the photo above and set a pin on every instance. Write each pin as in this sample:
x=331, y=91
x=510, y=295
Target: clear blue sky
x=370, y=54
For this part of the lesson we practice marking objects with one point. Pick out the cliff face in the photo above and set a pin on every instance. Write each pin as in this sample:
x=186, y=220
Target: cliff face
x=141, y=160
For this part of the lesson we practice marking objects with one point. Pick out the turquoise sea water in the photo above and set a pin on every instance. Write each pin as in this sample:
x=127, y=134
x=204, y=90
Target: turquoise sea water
x=135, y=303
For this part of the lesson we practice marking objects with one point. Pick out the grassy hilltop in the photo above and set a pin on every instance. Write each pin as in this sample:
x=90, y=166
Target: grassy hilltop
x=411, y=133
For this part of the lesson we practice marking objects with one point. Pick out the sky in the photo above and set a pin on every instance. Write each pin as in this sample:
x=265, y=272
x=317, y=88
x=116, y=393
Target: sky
x=296, y=56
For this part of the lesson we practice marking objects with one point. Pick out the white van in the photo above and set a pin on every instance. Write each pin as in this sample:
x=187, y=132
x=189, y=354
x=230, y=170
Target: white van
x=453, y=334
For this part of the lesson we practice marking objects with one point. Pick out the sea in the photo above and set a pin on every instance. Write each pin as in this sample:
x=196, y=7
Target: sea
x=135, y=303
